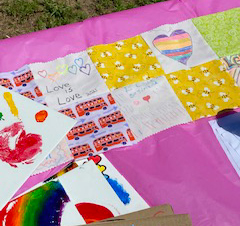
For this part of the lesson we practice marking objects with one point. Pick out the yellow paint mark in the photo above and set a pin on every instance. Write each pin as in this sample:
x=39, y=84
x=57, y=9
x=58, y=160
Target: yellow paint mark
x=8, y=97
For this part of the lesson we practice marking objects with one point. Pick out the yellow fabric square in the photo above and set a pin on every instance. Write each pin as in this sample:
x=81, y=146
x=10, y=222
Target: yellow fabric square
x=125, y=62
x=206, y=89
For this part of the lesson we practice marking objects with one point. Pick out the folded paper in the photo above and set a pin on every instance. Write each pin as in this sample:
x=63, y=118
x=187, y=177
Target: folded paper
x=178, y=46
x=125, y=62
x=221, y=31
x=150, y=106
x=206, y=89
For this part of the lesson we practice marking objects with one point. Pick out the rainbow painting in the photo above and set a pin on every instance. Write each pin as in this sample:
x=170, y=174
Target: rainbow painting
x=41, y=207
x=177, y=46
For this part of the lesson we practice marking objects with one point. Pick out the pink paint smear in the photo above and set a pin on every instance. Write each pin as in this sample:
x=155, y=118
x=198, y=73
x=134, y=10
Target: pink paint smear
x=26, y=145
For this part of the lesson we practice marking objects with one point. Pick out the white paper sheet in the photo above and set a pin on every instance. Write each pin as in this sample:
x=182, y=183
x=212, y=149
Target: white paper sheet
x=230, y=144
x=20, y=127
x=87, y=185
x=179, y=46
x=68, y=80
x=150, y=106
x=126, y=193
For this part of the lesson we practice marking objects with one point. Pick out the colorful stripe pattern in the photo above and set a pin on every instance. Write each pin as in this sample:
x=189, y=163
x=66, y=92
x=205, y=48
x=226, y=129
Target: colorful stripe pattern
x=178, y=46
x=41, y=207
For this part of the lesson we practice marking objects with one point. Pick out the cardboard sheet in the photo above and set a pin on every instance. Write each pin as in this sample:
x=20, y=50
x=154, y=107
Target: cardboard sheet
x=150, y=107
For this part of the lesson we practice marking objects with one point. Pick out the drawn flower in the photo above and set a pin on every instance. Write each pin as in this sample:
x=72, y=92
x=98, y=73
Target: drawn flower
x=129, y=55
x=193, y=79
x=154, y=67
x=149, y=53
x=136, y=46
x=187, y=90
x=174, y=79
x=224, y=96
x=212, y=106
x=205, y=71
x=119, y=66
x=119, y=45
x=192, y=106
x=106, y=54
x=206, y=92
x=219, y=82
x=136, y=67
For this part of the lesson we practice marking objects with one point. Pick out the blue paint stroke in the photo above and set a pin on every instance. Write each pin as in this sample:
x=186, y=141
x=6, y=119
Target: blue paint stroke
x=119, y=190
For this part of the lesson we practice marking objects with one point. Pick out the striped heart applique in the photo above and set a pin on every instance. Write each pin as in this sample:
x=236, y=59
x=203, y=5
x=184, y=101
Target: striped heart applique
x=177, y=46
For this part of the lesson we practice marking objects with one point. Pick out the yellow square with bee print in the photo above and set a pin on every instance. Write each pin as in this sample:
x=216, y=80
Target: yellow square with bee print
x=206, y=89
x=125, y=62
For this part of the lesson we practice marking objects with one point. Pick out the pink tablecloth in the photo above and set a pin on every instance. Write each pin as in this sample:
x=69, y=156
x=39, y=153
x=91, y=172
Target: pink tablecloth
x=184, y=166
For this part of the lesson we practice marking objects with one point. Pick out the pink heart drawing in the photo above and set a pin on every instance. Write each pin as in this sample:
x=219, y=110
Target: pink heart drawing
x=146, y=98
x=136, y=102
x=43, y=73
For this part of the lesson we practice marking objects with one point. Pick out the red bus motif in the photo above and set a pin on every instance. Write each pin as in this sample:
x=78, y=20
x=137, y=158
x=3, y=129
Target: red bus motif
x=110, y=98
x=68, y=112
x=6, y=83
x=28, y=94
x=109, y=120
x=109, y=140
x=82, y=130
x=38, y=91
x=22, y=80
x=130, y=135
x=92, y=105
x=82, y=151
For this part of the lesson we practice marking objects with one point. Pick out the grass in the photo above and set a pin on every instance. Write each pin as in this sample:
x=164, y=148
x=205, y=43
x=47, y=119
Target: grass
x=24, y=16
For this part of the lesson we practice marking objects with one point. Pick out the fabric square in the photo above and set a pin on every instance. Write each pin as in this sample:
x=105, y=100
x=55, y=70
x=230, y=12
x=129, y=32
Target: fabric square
x=125, y=62
x=178, y=46
x=221, y=31
x=206, y=89
x=150, y=106
x=232, y=64
x=68, y=80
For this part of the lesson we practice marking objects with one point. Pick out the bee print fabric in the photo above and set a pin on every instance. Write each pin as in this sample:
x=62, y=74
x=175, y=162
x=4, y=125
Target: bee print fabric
x=206, y=89
x=125, y=62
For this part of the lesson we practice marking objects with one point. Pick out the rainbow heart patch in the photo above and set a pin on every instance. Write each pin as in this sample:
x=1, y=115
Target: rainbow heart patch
x=177, y=46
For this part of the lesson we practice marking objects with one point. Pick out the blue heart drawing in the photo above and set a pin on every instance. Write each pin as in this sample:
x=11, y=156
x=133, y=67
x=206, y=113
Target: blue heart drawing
x=86, y=69
x=73, y=69
x=79, y=62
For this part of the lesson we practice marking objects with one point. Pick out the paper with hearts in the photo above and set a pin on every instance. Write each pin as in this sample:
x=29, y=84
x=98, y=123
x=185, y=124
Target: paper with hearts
x=179, y=46
x=26, y=138
x=150, y=106
x=91, y=194
x=28, y=88
x=68, y=80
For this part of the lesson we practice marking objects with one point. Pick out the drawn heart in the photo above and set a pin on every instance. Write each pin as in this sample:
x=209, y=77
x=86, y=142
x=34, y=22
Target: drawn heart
x=178, y=46
x=101, y=168
x=136, y=102
x=85, y=69
x=43, y=73
x=62, y=68
x=79, y=62
x=95, y=158
x=73, y=69
x=146, y=98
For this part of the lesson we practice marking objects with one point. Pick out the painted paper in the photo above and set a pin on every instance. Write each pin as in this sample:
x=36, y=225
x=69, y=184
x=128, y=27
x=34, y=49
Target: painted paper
x=232, y=64
x=47, y=205
x=100, y=126
x=91, y=194
x=221, y=31
x=178, y=46
x=125, y=192
x=24, y=142
x=227, y=131
x=150, y=106
x=68, y=80
x=125, y=62
x=22, y=81
x=206, y=89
